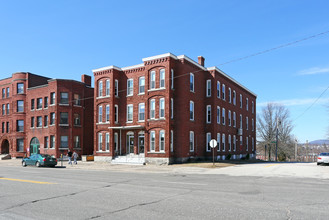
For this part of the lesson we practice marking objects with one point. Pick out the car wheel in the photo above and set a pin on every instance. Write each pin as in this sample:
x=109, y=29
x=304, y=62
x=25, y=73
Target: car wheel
x=52, y=165
x=37, y=164
x=24, y=164
x=318, y=164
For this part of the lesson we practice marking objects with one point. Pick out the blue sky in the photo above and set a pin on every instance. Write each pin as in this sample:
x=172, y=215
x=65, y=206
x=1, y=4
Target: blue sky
x=64, y=39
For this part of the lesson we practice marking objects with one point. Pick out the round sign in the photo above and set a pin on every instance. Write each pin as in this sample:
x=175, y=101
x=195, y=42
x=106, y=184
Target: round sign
x=213, y=143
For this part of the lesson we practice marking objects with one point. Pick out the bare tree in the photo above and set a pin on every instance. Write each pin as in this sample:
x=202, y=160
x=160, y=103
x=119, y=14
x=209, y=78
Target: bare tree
x=275, y=116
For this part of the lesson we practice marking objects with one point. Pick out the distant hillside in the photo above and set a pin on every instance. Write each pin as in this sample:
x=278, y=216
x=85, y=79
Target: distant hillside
x=319, y=142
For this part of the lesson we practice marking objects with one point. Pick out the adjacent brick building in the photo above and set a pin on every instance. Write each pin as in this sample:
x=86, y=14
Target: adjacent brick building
x=167, y=109
x=43, y=115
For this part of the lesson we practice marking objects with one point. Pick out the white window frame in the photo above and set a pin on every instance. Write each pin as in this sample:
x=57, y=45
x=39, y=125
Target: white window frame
x=223, y=143
x=247, y=143
x=116, y=142
x=140, y=107
x=234, y=119
x=229, y=95
x=247, y=123
x=234, y=97
x=208, y=139
x=241, y=104
x=130, y=87
x=191, y=82
x=162, y=144
x=234, y=143
x=152, y=79
x=229, y=118
x=241, y=141
x=218, y=89
x=218, y=115
x=107, y=87
x=152, y=109
x=252, y=144
x=116, y=113
x=116, y=88
x=252, y=107
x=171, y=141
x=229, y=143
x=107, y=113
x=100, y=88
x=132, y=113
x=208, y=114
x=223, y=92
x=100, y=141
x=191, y=110
x=162, y=79
x=241, y=121
x=172, y=79
x=172, y=108
x=191, y=141
x=140, y=85
x=152, y=142
x=107, y=142
x=208, y=88
x=252, y=124
x=247, y=104
x=223, y=116
x=218, y=142
x=162, y=108
x=100, y=114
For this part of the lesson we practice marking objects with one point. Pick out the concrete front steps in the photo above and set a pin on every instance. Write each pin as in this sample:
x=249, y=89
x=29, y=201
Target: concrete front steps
x=5, y=156
x=130, y=159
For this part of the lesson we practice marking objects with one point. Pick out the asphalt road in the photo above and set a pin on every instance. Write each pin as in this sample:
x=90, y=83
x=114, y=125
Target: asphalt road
x=256, y=191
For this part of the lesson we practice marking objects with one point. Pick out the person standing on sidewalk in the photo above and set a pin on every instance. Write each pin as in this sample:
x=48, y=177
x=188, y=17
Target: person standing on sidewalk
x=69, y=155
x=75, y=157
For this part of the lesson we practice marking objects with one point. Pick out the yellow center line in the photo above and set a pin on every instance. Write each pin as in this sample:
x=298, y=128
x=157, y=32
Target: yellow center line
x=271, y=165
x=27, y=181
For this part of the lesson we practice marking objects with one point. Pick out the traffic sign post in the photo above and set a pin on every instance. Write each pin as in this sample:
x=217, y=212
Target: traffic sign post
x=213, y=144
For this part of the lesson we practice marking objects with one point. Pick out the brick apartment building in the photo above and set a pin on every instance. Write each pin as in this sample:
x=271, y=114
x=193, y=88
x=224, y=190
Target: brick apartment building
x=43, y=115
x=168, y=108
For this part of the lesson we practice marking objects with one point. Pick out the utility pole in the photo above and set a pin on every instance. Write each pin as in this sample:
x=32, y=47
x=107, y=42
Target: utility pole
x=296, y=149
x=276, y=143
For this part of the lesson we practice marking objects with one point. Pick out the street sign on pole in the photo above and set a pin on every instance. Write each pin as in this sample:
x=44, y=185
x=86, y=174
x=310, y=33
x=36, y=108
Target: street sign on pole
x=213, y=144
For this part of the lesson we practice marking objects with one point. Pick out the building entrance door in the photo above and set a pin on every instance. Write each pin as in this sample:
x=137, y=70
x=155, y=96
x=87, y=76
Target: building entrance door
x=141, y=144
x=35, y=146
x=5, y=147
x=130, y=143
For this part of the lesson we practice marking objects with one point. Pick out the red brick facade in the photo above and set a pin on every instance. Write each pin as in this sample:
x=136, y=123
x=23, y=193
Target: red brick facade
x=169, y=132
x=46, y=115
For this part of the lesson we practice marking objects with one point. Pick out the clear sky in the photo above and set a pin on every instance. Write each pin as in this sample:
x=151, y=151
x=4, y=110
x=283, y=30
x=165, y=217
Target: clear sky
x=67, y=38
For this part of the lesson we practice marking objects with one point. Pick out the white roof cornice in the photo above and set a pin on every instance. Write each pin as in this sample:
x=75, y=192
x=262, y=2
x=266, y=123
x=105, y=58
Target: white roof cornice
x=106, y=68
x=132, y=67
x=230, y=78
x=160, y=56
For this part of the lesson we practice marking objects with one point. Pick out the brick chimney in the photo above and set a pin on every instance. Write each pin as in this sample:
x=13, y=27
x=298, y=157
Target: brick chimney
x=201, y=60
x=86, y=79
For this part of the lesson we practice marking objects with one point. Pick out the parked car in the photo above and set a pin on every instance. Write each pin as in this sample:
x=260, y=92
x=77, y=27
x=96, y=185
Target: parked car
x=39, y=160
x=323, y=158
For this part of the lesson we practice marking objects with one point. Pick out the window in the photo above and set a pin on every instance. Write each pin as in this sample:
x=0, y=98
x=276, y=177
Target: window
x=208, y=112
x=172, y=108
x=234, y=97
x=208, y=88
x=252, y=144
x=218, y=89
x=223, y=116
x=64, y=118
x=152, y=80
x=39, y=121
x=116, y=88
x=191, y=141
x=129, y=113
x=241, y=141
x=77, y=120
x=20, y=88
x=234, y=143
x=107, y=141
x=77, y=99
x=171, y=141
x=100, y=141
x=52, y=98
x=45, y=123
x=172, y=79
x=141, y=88
x=7, y=92
x=152, y=108
x=52, y=141
x=39, y=103
x=32, y=122
x=46, y=102
x=7, y=127
x=162, y=108
x=3, y=127
x=247, y=123
x=3, y=93
x=130, y=87
x=218, y=141
x=191, y=82
x=32, y=104
x=252, y=107
x=218, y=115
x=64, y=141
x=152, y=141
x=3, y=109
x=191, y=111
x=208, y=139
x=46, y=142
x=100, y=114
x=240, y=101
x=162, y=141
x=20, y=144
x=252, y=124
x=52, y=118
x=247, y=104
x=107, y=87
x=20, y=125
x=247, y=143
x=8, y=108
x=229, y=118
x=240, y=121
x=100, y=88
x=76, y=141
x=116, y=108
x=223, y=142
x=64, y=98
x=223, y=92
x=107, y=113
x=234, y=119
x=162, y=78
x=116, y=142
x=229, y=95
x=20, y=106
x=141, y=112
x=229, y=143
